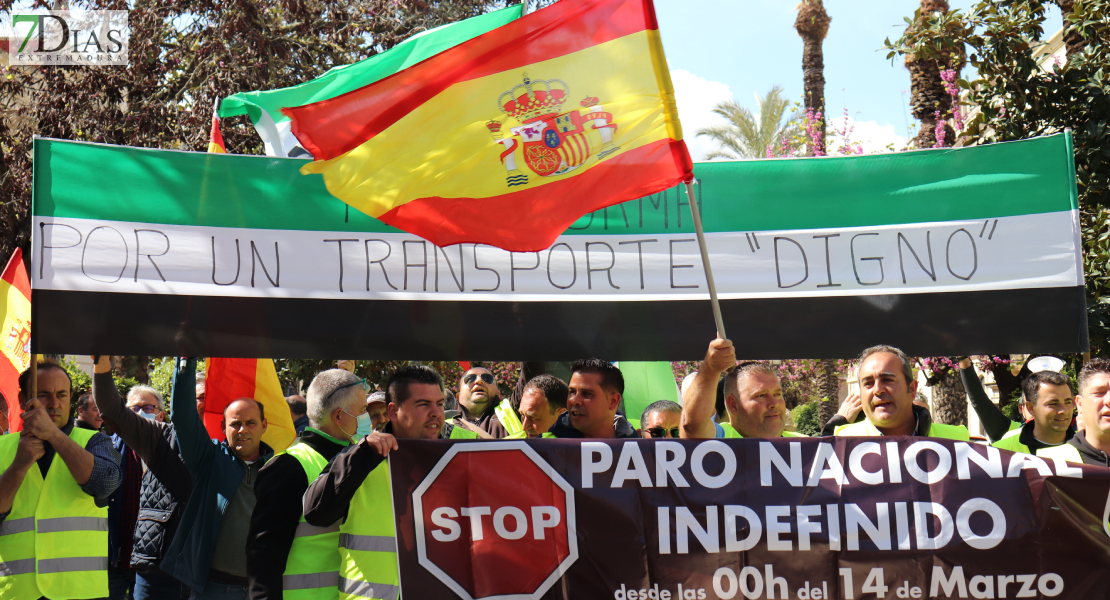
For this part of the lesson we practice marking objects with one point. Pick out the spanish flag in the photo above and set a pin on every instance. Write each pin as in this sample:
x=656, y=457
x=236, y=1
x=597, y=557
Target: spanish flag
x=15, y=335
x=508, y=138
x=229, y=379
x=215, y=138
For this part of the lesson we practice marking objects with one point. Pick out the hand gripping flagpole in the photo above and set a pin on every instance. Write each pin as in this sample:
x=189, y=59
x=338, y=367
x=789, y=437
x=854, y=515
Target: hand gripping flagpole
x=695, y=212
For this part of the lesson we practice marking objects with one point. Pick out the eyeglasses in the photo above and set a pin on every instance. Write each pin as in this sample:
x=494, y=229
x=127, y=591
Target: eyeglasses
x=658, y=432
x=147, y=408
x=471, y=377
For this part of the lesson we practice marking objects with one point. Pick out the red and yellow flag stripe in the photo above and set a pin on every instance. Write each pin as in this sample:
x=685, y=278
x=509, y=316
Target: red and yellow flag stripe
x=229, y=379
x=15, y=332
x=433, y=150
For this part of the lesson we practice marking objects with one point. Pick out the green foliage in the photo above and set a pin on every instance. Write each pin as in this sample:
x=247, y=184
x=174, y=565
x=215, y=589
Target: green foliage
x=82, y=383
x=1017, y=98
x=749, y=136
x=807, y=418
x=124, y=385
x=1011, y=410
x=161, y=379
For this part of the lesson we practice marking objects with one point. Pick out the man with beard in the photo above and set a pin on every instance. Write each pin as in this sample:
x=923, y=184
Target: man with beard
x=753, y=398
x=887, y=389
x=479, y=398
x=353, y=490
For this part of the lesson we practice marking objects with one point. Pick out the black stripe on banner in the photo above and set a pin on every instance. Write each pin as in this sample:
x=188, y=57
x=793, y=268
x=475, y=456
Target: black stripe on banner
x=955, y=323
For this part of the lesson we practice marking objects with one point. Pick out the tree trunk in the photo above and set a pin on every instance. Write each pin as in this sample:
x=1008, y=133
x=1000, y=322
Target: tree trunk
x=829, y=387
x=1007, y=383
x=949, y=399
x=927, y=93
x=813, y=25
x=1072, y=40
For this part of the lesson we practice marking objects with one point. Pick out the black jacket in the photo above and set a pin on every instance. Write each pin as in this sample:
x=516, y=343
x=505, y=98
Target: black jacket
x=166, y=484
x=327, y=499
x=280, y=487
x=1090, y=454
x=563, y=429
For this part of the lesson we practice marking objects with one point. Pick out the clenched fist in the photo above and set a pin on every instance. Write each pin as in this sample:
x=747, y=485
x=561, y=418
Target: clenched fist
x=720, y=357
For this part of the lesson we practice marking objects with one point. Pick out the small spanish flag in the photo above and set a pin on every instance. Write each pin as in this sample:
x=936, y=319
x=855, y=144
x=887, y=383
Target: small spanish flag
x=215, y=138
x=509, y=137
x=229, y=379
x=15, y=335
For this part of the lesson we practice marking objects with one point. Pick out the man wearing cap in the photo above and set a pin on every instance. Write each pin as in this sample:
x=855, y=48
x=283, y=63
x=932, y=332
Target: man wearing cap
x=753, y=398
x=377, y=409
x=887, y=389
x=287, y=557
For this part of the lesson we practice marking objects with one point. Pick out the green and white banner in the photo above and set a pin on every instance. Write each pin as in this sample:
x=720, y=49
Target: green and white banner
x=940, y=251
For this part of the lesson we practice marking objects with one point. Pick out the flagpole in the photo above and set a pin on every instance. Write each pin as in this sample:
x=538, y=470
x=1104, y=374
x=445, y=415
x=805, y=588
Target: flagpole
x=695, y=212
x=523, y=7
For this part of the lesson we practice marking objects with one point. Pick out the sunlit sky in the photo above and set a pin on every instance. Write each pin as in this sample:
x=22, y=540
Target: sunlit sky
x=722, y=49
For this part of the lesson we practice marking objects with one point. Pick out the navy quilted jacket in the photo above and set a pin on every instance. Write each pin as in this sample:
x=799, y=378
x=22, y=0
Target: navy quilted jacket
x=166, y=482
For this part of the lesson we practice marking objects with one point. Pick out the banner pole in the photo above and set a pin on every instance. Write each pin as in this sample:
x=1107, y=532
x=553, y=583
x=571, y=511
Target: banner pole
x=523, y=7
x=695, y=212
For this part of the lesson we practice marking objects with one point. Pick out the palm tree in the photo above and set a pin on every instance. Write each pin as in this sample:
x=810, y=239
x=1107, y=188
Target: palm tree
x=749, y=136
x=812, y=25
x=927, y=94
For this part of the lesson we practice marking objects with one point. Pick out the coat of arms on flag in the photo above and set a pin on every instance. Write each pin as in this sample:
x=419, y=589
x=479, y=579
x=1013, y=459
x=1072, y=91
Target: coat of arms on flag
x=555, y=142
x=413, y=149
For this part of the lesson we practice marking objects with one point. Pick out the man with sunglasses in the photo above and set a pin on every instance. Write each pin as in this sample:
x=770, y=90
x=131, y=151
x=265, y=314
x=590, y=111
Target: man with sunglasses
x=287, y=557
x=753, y=398
x=661, y=419
x=165, y=482
x=480, y=404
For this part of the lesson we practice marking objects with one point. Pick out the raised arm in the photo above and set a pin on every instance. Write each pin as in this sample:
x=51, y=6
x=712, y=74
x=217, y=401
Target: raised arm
x=700, y=400
x=192, y=437
x=140, y=434
x=995, y=422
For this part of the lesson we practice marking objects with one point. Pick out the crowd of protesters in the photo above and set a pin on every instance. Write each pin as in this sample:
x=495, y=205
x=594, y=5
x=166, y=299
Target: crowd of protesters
x=157, y=509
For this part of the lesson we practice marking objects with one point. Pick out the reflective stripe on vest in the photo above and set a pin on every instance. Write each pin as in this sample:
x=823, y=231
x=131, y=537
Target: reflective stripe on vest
x=508, y=417
x=54, y=542
x=368, y=542
x=363, y=589
x=312, y=568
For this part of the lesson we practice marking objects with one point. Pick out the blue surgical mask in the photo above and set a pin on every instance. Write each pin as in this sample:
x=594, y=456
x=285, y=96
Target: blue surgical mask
x=147, y=415
x=364, y=427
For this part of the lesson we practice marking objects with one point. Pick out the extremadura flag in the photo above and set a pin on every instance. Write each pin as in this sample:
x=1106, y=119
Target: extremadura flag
x=508, y=138
x=940, y=252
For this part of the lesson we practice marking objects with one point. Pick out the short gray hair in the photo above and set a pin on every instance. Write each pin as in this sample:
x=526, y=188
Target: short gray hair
x=331, y=389
x=661, y=406
x=145, y=389
x=907, y=367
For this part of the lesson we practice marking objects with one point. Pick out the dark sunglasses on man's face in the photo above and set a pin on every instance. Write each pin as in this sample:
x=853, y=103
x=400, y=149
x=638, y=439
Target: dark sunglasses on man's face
x=471, y=377
x=147, y=408
x=658, y=432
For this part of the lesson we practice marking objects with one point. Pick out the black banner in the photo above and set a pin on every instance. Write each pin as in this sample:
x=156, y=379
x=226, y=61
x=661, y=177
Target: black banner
x=810, y=519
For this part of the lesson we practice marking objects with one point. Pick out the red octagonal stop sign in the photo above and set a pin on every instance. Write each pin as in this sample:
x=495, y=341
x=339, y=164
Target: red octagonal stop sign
x=494, y=519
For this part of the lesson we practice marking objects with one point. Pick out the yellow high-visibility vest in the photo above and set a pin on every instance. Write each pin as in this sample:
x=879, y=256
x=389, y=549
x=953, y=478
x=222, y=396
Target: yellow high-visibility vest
x=54, y=543
x=312, y=568
x=866, y=429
